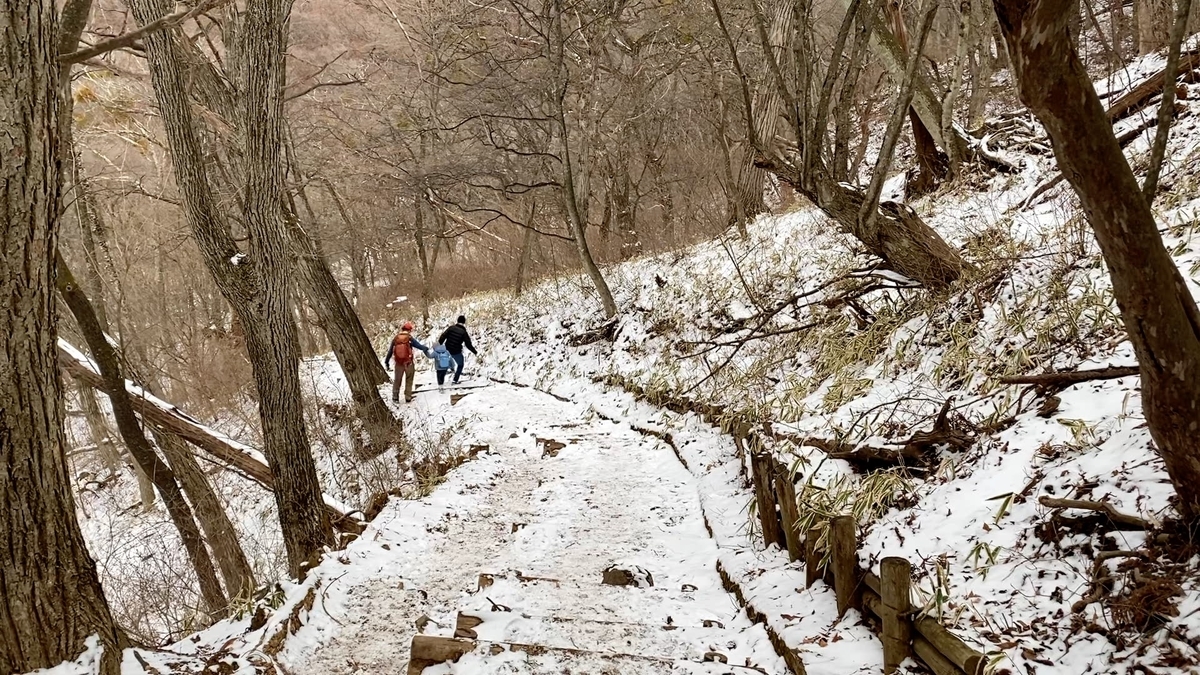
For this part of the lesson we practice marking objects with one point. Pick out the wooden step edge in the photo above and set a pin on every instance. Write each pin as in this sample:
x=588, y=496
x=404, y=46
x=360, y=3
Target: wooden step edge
x=466, y=622
x=430, y=650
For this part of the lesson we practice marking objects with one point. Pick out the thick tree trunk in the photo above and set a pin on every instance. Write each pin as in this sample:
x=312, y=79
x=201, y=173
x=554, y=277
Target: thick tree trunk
x=1152, y=21
x=218, y=530
x=1156, y=306
x=51, y=601
x=572, y=199
x=139, y=446
x=271, y=333
x=256, y=285
x=340, y=323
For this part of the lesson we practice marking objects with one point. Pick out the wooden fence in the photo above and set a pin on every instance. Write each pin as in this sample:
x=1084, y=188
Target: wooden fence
x=887, y=596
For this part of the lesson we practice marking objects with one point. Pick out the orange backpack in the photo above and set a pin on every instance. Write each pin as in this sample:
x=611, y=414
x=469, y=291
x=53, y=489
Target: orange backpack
x=402, y=348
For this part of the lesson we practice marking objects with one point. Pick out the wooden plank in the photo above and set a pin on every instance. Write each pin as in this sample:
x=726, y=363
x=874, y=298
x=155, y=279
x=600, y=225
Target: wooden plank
x=785, y=494
x=843, y=546
x=429, y=650
x=812, y=557
x=896, y=575
x=955, y=650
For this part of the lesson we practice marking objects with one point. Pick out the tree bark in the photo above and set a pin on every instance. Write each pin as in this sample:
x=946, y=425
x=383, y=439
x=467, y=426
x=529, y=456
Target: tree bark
x=571, y=199
x=139, y=446
x=218, y=530
x=1157, y=308
x=255, y=284
x=51, y=601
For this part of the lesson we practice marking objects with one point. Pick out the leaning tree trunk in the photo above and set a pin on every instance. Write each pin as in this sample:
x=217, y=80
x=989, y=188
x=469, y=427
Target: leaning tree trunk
x=51, y=601
x=222, y=537
x=1157, y=308
x=896, y=234
x=135, y=439
x=341, y=325
x=256, y=285
x=571, y=198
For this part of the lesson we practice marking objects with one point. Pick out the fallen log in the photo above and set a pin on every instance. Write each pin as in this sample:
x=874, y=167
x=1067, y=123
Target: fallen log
x=1063, y=378
x=1141, y=94
x=246, y=460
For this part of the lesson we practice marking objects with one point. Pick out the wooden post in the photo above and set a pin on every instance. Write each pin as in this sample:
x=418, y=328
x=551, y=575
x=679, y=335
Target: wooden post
x=843, y=546
x=765, y=496
x=895, y=579
x=785, y=493
x=812, y=557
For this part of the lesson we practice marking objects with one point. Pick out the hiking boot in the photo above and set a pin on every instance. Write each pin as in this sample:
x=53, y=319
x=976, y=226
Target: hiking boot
x=395, y=400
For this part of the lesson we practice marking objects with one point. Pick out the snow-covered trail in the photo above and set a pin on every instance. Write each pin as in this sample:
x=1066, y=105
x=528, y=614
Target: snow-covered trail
x=609, y=496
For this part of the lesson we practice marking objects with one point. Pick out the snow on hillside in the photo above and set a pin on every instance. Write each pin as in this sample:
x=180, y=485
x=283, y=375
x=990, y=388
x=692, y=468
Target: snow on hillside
x=792, y=326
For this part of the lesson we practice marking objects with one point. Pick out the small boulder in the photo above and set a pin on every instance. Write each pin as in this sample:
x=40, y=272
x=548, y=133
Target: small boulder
x=633, y=576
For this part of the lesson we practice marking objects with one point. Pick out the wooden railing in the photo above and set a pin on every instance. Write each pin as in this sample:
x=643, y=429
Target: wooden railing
x=904, y=632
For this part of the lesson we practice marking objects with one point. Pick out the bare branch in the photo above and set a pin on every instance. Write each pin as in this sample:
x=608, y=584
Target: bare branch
x=129, y=39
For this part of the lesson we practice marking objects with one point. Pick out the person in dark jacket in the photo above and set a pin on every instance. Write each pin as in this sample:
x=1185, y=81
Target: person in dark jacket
x=455, y=338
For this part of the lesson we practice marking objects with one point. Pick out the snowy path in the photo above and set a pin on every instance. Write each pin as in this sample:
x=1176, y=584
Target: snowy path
x=610, y=496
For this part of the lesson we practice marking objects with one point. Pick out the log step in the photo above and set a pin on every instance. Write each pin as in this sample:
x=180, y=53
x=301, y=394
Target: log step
x=627, y=604
x=663, y=640
x=478, y=656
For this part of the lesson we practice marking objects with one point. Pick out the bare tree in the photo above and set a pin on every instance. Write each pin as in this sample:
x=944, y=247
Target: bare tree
x=1157, y=308
x=47, y=611
x=895, y=233
x=254, y=282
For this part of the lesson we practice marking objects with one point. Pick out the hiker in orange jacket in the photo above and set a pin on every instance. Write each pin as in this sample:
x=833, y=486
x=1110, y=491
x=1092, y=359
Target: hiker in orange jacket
x=401, y=349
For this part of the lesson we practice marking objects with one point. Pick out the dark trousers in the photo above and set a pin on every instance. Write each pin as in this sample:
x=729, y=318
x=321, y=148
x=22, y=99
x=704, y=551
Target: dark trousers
x=458, y=361
x=441, y=375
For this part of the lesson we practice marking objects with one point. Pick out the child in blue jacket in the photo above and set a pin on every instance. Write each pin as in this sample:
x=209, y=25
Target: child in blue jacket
x=442, y=362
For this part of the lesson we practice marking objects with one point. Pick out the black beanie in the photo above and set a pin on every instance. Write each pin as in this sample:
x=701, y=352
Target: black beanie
x=462, y=319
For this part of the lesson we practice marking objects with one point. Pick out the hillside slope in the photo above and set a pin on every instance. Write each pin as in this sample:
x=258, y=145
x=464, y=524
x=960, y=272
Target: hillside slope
x=794, y=327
